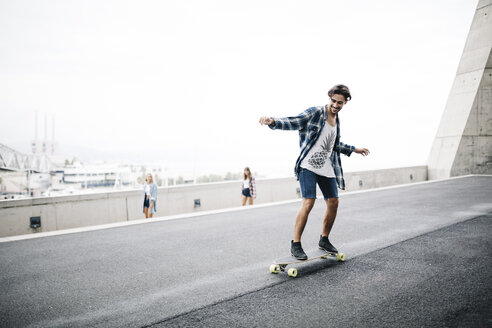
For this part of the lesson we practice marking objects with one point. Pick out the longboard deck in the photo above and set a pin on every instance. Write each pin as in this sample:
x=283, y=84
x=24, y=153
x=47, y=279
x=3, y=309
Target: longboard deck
x=281, y=263
x=312, y=255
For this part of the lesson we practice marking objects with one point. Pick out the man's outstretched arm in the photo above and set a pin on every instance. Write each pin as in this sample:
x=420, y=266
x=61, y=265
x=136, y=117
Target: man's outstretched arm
x=348, y=149
x=289, y=123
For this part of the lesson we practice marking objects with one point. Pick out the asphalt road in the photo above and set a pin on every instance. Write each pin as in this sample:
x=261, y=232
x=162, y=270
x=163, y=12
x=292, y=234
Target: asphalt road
x=440, y=279
x=418, y=255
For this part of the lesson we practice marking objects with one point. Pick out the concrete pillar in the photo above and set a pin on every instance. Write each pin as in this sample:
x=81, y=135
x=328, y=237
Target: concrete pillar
x=463, y=144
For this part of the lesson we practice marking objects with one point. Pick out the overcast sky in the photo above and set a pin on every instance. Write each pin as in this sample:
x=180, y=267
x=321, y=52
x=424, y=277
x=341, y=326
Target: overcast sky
x=183, y=83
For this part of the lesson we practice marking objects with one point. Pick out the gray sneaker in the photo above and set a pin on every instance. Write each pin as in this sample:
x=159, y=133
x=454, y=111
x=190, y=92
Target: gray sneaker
x=297, y=251
x=325, y=245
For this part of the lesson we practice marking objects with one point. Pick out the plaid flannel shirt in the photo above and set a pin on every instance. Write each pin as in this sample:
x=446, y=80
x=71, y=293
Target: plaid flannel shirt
x=310, y=123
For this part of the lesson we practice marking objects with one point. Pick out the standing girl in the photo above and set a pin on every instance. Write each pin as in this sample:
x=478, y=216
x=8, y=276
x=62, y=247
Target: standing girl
x=249, y=187
x=150, y=197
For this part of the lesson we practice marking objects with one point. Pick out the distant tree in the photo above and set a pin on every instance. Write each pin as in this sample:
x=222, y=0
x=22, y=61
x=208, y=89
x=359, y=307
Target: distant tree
x=209, y=178
x=203, y=179
x=143, y=174
x=216, y=178
x=157, y=180
x=234, y=176
x=179, y=180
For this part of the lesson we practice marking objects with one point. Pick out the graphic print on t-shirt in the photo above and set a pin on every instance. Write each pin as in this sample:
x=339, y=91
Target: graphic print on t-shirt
x=319, y=158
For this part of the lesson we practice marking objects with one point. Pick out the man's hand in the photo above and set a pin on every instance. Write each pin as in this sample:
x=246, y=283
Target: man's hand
x=265, y=120
x=362, y=151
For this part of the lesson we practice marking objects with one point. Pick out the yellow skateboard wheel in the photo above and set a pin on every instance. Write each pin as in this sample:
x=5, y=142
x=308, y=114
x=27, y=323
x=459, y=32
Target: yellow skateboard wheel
x=292, y=272
x=274, y=268
x=341, y=257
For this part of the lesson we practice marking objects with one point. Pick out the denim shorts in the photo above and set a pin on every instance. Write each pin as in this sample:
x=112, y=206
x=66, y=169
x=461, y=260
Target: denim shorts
x=146, y=202
x=308, y=180
x=246, y=192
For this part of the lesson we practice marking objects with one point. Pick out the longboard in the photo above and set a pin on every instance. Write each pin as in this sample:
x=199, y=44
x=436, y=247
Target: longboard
x=280, y=264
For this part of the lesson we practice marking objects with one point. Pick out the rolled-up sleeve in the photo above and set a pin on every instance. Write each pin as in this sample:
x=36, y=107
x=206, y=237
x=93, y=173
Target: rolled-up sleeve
x=346, y=149
x=294, y=122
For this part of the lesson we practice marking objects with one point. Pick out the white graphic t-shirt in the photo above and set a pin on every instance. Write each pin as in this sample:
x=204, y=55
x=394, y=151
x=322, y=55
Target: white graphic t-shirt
x=318, y=159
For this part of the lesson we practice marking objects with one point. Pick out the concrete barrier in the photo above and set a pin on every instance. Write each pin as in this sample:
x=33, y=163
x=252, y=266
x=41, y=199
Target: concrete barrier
x=74, y=211
x=383, y=178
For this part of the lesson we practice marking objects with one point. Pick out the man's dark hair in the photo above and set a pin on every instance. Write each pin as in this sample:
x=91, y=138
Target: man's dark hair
x=340, y=89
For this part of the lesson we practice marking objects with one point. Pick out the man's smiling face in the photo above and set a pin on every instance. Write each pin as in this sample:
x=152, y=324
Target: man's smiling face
x=336, y=103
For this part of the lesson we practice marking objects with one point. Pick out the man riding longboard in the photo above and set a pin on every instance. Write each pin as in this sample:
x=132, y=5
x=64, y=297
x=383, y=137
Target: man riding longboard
x=319, y=162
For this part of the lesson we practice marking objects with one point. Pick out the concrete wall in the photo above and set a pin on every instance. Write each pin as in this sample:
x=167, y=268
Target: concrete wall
x=65, y=212
x=383, y=178
x=463, y=143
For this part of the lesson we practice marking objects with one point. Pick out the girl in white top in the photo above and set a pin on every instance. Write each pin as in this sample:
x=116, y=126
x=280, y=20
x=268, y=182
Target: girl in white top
x=248, y=187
